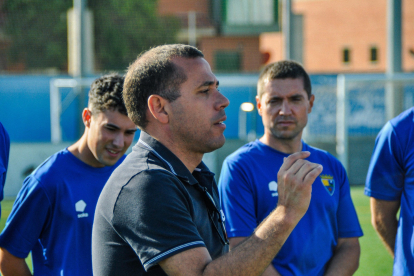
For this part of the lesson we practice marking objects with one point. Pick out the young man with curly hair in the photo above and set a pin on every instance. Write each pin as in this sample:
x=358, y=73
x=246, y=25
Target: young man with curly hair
x=53, y=214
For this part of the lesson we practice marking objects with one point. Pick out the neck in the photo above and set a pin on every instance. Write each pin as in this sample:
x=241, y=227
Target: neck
x=189, y=158
x=287, y=146
x=81, y=151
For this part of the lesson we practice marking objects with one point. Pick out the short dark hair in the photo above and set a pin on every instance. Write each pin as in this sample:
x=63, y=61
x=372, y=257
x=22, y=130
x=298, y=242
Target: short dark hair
x=284, y=70
x=106, y=94
x=154, y=73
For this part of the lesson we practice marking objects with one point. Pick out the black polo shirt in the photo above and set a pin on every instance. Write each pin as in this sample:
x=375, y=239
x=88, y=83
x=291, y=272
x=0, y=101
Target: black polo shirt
x=152, y=208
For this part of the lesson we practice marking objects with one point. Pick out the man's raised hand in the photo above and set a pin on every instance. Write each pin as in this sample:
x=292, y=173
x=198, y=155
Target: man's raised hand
x=295, y=179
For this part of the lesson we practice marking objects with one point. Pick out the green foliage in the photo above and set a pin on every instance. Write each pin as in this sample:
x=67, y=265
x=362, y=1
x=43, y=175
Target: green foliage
x=37, y=30
x=122, y=35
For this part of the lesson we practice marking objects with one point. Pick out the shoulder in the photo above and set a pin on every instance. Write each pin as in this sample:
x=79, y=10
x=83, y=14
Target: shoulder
x=132, y=181
x=403, y=120
x=247, y=152
x=400, y=128
x=50, y=170
x=4, y=135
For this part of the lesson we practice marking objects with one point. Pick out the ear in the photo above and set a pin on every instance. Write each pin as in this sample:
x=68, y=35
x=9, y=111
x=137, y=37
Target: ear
x=311, y=99
x=86, y=117
x=156, y=106
x=258, y=105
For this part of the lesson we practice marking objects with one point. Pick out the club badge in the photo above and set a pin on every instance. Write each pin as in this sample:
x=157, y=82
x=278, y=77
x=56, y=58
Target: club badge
x=328, y=182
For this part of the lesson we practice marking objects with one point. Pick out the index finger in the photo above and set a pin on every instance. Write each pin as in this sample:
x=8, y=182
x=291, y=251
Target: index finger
x=291, y=159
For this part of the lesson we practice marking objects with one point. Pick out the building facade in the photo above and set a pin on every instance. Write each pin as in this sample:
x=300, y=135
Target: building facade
x=335, y=36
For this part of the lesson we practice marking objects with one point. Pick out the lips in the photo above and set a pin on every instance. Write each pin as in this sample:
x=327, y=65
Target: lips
x=285, y=121
x=220, y=122
x=113, y=152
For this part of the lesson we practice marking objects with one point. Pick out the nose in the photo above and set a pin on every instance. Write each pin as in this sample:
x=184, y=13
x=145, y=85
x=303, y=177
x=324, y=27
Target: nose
x=285, y=108
x=222, y=101
x=119, y=140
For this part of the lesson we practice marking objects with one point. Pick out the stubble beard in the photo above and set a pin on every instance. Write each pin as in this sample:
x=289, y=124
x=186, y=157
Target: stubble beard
x=285, y=135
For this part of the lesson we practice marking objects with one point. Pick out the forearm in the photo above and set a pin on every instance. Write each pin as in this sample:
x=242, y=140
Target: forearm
x=345, y=260
x=271, y=271
x=384, y=220
x=11, y=265
x=387, y=230
x=254, y=255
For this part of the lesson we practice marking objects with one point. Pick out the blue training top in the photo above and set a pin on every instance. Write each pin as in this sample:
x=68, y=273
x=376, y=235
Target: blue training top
x=4, y=158
x=248, y=194
x=391, y=177
x=53, y=215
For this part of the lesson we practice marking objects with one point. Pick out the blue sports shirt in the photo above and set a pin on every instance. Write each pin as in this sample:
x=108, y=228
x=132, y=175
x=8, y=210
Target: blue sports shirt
x=4, y=158
x=53, y=215
x=248, y=194
x=391, y=177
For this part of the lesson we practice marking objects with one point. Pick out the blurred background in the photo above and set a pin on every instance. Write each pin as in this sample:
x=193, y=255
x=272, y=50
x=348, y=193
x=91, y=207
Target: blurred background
x=360, y=55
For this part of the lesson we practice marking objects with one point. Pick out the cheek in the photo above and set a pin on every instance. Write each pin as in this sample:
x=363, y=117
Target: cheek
x=128, y=141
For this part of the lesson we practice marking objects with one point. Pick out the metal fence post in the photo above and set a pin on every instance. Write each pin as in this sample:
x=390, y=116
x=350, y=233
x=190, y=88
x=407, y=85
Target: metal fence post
x=342, y=121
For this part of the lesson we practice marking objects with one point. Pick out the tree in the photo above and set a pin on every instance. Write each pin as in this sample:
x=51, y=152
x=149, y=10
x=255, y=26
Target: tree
x=123, y=29
x=37, y=30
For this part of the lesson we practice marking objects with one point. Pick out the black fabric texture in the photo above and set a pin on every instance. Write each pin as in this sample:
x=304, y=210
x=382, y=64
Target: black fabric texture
x=149, y=211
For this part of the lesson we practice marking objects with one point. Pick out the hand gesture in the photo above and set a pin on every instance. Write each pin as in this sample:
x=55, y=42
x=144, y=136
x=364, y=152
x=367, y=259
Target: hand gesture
x=295, y=179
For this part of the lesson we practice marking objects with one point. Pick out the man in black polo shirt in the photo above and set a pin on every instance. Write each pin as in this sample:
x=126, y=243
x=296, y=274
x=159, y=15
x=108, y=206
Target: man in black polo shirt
x=159, y=212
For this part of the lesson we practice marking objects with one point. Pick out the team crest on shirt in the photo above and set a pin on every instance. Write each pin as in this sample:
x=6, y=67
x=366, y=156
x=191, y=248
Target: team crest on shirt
x=328, y=182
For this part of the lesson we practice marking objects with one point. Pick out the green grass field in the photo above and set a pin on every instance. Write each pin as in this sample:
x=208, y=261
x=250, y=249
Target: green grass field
x=374, y=261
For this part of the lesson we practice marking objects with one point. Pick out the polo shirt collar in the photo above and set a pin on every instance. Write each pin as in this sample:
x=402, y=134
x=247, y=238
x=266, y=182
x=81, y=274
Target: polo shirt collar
x=172, y=162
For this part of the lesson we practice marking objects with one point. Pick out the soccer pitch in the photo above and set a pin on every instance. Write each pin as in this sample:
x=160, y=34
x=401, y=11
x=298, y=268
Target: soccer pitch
x=374, y=260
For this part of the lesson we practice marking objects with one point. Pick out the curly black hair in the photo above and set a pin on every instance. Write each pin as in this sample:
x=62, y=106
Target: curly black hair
x=106, y=94
x=154, y=73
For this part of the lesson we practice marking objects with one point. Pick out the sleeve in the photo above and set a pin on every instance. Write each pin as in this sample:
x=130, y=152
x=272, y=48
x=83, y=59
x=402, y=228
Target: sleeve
x=4, y=157
x=348, y=224
x=27, y=219
x=237, y=200
x=385, y=178
x=155, y=216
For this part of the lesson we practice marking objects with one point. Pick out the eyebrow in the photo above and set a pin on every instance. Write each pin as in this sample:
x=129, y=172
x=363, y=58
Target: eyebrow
x=292, y=96
x=118, y=128
x=208, y=83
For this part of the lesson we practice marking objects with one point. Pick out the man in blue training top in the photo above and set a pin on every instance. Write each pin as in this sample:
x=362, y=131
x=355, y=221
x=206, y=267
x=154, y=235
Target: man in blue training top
x=325, y=241
x=4, y=158
x=390, y=183
x=53, y=214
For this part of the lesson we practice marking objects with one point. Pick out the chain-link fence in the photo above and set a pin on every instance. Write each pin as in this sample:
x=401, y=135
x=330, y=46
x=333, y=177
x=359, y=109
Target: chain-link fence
x=348, y=113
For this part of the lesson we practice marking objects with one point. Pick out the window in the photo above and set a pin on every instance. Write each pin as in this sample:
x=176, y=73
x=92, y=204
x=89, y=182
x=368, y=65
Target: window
x=227, y=61
x=251, y=12
x=373, y=54
x=247, y=17
x=346, y=55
